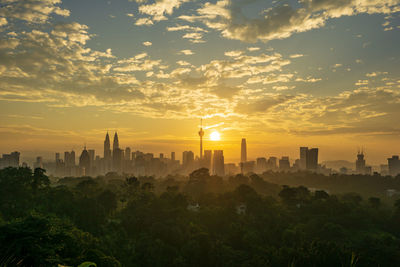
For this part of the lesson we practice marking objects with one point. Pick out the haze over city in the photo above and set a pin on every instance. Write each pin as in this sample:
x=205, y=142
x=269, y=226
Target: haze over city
x=299, y=73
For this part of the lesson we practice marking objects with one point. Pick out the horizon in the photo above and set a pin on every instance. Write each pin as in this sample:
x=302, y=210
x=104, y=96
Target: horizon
x=292, y=153
x=281, y=75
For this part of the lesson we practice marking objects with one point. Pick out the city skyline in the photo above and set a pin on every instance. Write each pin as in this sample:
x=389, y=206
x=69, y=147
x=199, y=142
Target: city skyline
x=138, y=162
x=281, y=74
x=233, y=148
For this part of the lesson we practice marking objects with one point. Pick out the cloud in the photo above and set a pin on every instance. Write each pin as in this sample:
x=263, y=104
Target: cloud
x=183, y=63
x=262, y=105
x=186, y=52
x=252, y=49
x=53, y=64
x=296, y=55
x=160, y=8
x=3, y=22
x=144, y=21
x=194, y=37
x=194, y=34
x=56, y=67
x=140, y=62
x=74, y=31
x=185, y=28
x=282, y=20
x=32, y=11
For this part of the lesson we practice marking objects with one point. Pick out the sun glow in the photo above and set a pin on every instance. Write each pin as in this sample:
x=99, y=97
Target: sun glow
x=215, y=136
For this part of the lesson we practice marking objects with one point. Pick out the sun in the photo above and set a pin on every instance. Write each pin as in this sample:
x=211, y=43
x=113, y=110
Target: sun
x=215, y=136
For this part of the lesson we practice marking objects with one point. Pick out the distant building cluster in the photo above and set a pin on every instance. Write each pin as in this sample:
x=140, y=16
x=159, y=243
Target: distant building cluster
x=9, y=160
x=308, y=161
x=136, y=163
x=117, y=160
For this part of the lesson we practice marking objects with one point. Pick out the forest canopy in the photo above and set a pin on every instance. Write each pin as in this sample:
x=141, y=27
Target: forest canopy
x=274, y=219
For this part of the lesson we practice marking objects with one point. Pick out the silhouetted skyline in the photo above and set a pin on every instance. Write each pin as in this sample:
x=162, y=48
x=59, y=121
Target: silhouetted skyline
x=279, y=73
x=140, y=163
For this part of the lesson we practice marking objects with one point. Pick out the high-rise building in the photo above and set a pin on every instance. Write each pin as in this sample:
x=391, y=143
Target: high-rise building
x=187, y=160
x=84, y=163
x=207, y=159
x=118, y=159
x=247, y=167
x=66, y=158
x=91, y=154
x=116, y=142
x=284, y=164
x=218, y=163
x=261, y=165
x=231, y=169
x=128, y=153
x=243, y=155
x=117, y=156
x=107, y=147
x=312, y=159
x=72, y=158
x=38, y=163
x=360, y=163
x=173, y=156
x=272, y=163
x=10, y=160
x=201, y=134
x=394, y=165
x=308, y=159
x=303, y=158
x=384, y=169
x=60, y=166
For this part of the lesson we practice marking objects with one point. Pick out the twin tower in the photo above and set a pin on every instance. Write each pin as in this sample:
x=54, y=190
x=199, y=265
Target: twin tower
x=107, y=145
x=113, y=159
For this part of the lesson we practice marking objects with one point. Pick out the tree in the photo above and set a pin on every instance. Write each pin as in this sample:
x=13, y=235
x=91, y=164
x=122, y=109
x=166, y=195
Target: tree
x=39, y=179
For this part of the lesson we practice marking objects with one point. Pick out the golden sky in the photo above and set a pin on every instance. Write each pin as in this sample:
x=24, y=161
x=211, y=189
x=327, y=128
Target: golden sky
x=281, y=74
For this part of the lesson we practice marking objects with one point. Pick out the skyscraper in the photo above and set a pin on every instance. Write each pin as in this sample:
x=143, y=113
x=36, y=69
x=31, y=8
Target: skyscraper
x=201, y=134
x=308, y=159
x=91, y=154
x=72, y=158
x=261, y=165
x=243, y=154
x=303, y=158
x=218, y=163
x=107, y=147
x=38, y=163
x=272, y=163
x=10, y=160
x=117, y=156
x=284, y=164
x=394, y=165
x=312, y=159
x=67, y=158
x=116, y=142
x=187, y=160
x=173, y=156
x=84, y=162
x=128, y=153
x=207, y=159
x=360, y=163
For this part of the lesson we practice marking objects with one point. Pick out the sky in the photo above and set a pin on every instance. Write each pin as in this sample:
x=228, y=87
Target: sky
x=282, y=74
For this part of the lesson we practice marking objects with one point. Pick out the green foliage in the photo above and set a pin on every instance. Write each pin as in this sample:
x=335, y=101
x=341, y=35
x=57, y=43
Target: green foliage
x=141, y=221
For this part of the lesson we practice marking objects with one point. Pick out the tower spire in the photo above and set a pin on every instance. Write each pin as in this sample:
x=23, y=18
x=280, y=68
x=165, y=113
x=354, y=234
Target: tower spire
x=201, y=134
